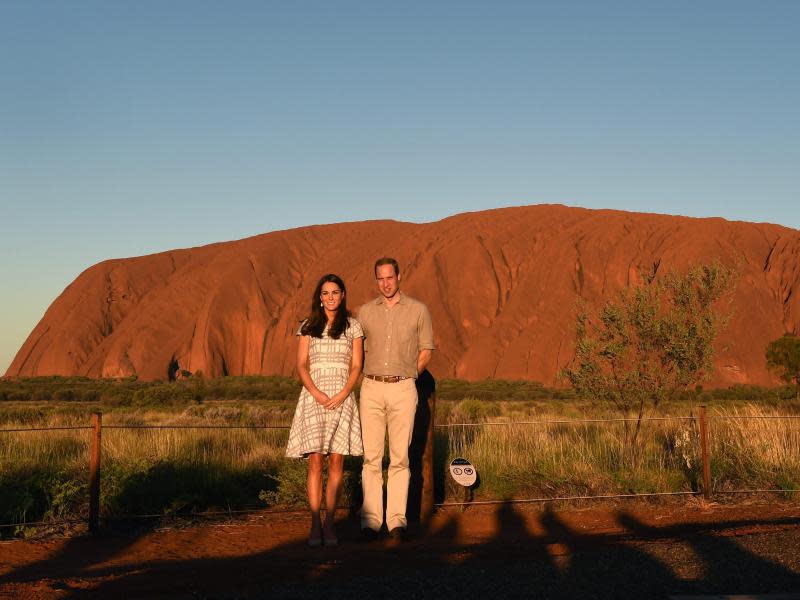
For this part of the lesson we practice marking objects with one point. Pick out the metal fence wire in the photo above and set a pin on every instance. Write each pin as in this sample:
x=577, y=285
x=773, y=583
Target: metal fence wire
x=95, y=452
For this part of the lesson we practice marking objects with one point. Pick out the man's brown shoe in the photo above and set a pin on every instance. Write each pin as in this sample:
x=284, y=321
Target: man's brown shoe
x=369, y=535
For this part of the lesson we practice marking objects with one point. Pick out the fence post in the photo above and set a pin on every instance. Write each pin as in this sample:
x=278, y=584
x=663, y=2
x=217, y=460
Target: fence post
x=427, y=500
x=94, y=473
x=704, y=450
x=420, y=452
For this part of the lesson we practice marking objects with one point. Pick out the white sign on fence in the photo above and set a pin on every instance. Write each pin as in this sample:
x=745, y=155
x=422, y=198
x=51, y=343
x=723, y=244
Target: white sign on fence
x=463, y=472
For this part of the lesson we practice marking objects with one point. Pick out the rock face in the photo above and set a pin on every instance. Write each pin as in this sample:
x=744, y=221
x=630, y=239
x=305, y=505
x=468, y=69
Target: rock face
x=501, y=286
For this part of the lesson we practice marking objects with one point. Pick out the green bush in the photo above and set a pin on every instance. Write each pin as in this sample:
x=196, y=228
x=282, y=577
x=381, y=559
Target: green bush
x=287, y=487
x=42, y=395
x=472, y=410
x=41, y=494
x=165, y=488
x=64, y=395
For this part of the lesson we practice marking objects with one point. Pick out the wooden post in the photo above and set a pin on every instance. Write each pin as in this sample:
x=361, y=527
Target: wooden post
x=94, y=474
x=420, y=452
x=704, y=450
x=427, y=500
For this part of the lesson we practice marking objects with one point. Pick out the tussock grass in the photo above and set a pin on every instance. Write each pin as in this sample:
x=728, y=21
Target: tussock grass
x=557, y=460
x=748, y=452
x=576, y=459
x=43, y=474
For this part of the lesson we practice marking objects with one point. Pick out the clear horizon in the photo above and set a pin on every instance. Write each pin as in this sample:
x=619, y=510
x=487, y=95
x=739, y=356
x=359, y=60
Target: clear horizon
x=133, y=129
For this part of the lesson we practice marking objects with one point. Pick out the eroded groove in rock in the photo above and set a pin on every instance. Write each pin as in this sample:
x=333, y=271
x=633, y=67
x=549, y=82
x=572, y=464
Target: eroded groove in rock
x=501, y=286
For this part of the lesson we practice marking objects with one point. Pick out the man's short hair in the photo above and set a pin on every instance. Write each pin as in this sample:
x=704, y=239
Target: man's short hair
x=387, y=261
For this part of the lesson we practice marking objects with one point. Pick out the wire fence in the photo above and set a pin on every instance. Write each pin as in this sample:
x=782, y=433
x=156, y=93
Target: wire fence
x=196, y=426
x=24, y=429
x=436, y=425
x=701, y=419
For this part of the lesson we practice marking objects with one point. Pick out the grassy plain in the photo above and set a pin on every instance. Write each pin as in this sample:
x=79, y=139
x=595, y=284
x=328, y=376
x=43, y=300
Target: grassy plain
x=167, y=471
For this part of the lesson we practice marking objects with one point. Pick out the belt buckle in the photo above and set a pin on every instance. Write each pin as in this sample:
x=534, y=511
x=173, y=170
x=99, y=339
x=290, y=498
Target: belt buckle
x=386, y=378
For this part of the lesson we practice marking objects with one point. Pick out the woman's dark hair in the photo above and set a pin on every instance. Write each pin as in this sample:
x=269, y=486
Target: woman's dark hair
x=315, y=323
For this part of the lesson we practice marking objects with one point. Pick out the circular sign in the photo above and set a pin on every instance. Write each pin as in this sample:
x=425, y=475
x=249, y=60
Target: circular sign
x=463, y=472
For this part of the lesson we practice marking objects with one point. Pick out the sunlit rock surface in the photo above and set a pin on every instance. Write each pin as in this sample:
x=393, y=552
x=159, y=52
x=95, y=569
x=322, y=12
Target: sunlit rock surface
x=501, y=286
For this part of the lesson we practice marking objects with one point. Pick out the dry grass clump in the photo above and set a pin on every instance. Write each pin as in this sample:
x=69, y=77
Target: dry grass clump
x=578, y=458
x=749, y=451
x=42, y=475
x=162, y=471
x=566, y=459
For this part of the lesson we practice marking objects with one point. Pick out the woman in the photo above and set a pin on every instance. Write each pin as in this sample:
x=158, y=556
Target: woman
x=329, y=361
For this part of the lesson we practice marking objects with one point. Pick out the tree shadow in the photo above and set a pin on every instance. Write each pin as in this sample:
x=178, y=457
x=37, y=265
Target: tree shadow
x=511, y=554
x=728, y=566
x=600, y=567
x=77, y=555
x=163, y=490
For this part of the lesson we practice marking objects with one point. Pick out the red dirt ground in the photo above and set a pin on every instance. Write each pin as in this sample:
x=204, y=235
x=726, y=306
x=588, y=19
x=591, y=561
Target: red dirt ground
x=508, y=551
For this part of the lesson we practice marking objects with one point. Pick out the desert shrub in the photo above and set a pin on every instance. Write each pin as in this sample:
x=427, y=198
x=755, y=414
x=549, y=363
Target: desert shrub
x=493, y=390
x=64, y=395
x=117, y=396
x=90, y=395
x=287, y=485
x=120, y=393
x=167, y=487
x=472, y=410
x=783, y=358
x=23, y=415
x=42, y=395
x=651, y=341
x=162, y=395
x=32, y=494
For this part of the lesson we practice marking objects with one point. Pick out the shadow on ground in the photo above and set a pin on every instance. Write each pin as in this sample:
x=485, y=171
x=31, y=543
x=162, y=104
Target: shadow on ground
x=555, y=561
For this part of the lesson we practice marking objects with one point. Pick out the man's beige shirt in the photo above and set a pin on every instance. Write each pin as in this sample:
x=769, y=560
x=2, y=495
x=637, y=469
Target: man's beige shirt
x=393, y=337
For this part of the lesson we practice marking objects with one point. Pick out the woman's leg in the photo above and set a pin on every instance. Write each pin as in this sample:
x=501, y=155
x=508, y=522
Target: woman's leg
x=332, y=492
x=314, y=488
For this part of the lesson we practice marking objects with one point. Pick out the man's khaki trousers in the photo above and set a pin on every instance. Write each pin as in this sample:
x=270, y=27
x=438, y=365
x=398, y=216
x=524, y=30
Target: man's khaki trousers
x=385, y=406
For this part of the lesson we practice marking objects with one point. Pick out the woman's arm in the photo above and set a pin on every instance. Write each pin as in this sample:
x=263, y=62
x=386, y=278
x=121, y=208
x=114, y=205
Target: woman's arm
x=356, y=363
x=305, y=376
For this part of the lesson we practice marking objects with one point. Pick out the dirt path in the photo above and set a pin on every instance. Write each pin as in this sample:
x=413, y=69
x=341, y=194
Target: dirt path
x=507, y=551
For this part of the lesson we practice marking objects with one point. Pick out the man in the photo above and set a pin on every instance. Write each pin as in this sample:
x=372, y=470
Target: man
x=398, y=341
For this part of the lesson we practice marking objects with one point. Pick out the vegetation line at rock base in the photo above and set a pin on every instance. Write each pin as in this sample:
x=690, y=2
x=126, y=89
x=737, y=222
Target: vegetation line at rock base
x=122, y=393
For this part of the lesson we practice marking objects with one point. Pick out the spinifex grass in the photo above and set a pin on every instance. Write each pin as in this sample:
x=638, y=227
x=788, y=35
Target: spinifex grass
x=583, y=459
x=158, y=471
x=550, y=460
x=748, y=451
x=43, y=474
x=227, y=463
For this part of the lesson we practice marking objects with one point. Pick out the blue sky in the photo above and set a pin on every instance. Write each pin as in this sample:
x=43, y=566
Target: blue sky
x=133, y=127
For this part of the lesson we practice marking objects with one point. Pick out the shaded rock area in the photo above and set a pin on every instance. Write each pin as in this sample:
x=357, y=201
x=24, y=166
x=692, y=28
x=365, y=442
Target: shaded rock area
x=501, y=286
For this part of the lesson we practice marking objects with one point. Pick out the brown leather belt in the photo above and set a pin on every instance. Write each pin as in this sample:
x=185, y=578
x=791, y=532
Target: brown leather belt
x=386, y=378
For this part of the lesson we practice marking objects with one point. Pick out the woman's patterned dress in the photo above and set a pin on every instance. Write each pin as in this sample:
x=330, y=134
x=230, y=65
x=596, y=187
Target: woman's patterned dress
x=318, y=429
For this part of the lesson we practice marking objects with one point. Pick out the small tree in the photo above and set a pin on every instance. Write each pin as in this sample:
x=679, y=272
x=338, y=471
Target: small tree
x=783, y=357
x=651, y=341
